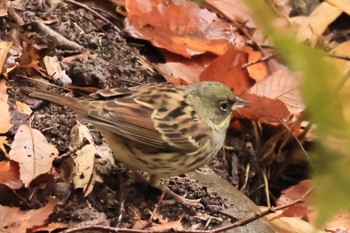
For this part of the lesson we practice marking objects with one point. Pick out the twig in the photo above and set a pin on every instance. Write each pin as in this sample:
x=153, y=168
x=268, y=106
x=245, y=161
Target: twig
x=62, y=42
x=72, y=152
x=346, y=58
x=265, y=58
x=217, y=230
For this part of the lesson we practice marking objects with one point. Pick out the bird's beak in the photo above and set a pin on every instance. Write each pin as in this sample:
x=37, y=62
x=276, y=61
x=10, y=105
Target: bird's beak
x=239, y=103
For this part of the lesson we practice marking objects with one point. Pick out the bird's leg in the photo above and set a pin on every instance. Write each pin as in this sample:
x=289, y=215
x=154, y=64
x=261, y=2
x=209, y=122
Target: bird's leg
x=155, y=182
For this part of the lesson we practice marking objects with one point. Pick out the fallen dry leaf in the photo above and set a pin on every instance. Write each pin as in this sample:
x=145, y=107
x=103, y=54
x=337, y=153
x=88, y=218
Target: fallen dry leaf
x=265, y=110
x=344, y=5
x=9, y=174
x=181, y=29
x=53, y=69
x=282, y=85
x=313, y=27
x=23, y=108
x=33, y=153
x=51, y=227
x=339, y=223
x=3, y=8
x=236, y=10
x=187, y=69
x=290, y=224
x=259, y=70
x=84, y=159
x=4, y=50
x=5, y=116
x=294, y=193
x=228, y=70
x=177, y=70
x=12, y=219
x=30, y=58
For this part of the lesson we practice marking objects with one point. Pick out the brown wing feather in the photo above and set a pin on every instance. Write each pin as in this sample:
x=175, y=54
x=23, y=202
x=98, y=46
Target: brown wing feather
x=156, y=115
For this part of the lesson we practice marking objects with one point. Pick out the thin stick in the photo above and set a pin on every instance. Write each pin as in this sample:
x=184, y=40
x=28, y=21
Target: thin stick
x=217, y=230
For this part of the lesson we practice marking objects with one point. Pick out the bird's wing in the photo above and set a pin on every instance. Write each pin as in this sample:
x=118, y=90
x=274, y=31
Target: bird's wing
x=156, y=115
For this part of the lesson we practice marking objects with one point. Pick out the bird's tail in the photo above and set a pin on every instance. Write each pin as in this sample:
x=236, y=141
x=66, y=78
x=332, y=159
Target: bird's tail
x=78, y=106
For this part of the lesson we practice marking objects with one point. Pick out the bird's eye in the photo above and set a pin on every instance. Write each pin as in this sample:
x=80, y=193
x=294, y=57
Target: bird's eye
x=224, y=106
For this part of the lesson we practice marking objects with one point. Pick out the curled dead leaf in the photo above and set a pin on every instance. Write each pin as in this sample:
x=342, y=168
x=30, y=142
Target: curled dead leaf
x=9, y=174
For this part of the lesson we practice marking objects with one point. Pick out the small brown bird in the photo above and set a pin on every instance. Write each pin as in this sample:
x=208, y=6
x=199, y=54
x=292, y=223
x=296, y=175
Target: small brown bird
x=162, y=129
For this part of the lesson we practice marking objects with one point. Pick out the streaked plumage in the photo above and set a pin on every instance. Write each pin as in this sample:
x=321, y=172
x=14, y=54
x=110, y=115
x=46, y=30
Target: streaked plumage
x=162, y=129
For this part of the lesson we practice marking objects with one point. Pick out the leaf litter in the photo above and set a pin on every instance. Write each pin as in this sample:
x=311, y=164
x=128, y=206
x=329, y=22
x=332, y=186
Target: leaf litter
x=55, y=128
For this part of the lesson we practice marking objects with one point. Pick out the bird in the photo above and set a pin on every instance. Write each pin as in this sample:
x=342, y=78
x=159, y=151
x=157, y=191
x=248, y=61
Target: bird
x=162, y=128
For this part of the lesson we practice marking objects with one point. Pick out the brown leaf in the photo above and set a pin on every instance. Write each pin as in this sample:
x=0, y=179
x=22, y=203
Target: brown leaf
x=33, y=153
x=51, y=227
x=292, y=194
x=30, y=58
x=5, y=116
x=298, y=210
x=12, y=219
x=23, y=108
x=4, y=50
x=181, y=29
x=4, y=5
x=228, y=70
x=236, y=10
x=187, y=69
x=282, y=85
x=9, y=174
x=83, y=175
x=264, y=109
x=180, y=71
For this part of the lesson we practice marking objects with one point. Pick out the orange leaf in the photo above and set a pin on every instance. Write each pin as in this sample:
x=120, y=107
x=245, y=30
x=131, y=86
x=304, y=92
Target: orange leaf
x=182, y=29
x=259, y=70
x=51, y=227
x=291, y=194
x=9, y=174
x=294, y=192
x=264, y=109
x=228, y=70
x=12, y=219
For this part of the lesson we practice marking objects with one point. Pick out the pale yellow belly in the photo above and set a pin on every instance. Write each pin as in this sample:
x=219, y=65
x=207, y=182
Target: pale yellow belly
x=161, y=165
